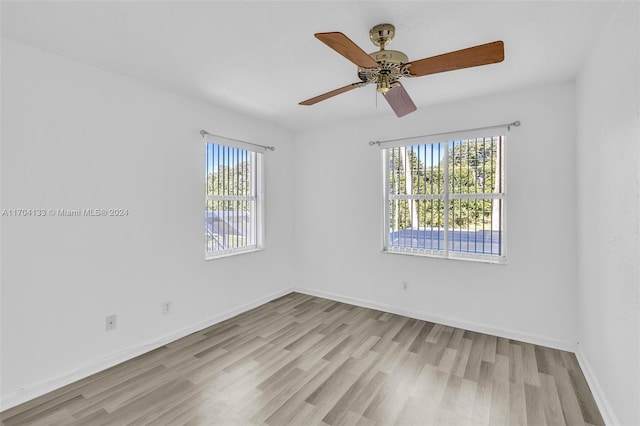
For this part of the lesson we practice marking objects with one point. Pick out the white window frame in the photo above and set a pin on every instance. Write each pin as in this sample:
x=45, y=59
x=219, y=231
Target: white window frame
x=256, y=195
x=445, y=139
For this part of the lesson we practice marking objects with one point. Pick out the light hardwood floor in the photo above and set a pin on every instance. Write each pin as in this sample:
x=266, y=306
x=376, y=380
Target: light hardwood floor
x=304, y=360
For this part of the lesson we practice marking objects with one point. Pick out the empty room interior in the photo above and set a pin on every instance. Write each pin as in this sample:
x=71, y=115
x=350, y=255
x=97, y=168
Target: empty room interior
x=415, y=213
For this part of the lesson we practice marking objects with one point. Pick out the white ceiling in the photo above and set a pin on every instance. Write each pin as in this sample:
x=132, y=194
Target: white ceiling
x=261, y=59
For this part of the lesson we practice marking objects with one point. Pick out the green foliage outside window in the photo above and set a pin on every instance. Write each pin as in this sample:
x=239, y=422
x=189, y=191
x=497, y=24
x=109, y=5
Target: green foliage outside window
x=229, y=181
x=473, y=168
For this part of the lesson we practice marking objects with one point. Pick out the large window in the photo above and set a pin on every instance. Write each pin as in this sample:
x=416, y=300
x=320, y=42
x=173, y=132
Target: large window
x=233, y=200
x=446, y=198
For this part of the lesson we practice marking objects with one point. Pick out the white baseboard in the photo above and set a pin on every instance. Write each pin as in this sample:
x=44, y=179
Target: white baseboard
x=452, y=322
x=602, y=402
x=34, y=391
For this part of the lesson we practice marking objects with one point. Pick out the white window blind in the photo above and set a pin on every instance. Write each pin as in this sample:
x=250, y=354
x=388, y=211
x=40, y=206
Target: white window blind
x=445, y=196
x=233, y=198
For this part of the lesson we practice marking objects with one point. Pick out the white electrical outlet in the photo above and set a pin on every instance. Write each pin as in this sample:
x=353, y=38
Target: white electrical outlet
x=166, y=308
x=110, y=322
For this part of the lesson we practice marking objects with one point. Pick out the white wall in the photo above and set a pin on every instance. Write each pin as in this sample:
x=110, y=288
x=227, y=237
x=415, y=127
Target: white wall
x=608, y=201
x=74, y=137
x=339, y=216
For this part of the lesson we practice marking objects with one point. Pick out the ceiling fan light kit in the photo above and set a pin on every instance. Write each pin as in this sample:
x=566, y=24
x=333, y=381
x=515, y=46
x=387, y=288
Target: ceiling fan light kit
x=384, y=68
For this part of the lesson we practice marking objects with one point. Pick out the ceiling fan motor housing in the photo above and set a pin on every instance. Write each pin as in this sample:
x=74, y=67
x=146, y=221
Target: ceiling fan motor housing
x=389, y=71
x=389, y=56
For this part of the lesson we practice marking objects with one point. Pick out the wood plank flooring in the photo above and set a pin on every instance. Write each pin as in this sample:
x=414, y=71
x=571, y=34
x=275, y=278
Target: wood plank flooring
x=304, y=360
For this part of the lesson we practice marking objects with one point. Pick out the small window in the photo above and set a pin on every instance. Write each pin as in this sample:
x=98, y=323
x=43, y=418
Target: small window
x=446, y=198
x=233, y=200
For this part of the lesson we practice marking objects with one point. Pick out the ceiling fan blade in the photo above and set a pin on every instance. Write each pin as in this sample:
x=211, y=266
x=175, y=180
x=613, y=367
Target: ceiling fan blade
x=483, y=54
x=331, y=94
x=400, y=100
x=347, y=48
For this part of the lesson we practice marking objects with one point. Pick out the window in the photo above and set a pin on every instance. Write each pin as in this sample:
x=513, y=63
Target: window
x=446, y=198
x=233, y=200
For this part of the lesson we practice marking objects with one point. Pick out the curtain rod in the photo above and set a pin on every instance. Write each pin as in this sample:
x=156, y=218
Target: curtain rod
x=204, y=133
x=507, y=125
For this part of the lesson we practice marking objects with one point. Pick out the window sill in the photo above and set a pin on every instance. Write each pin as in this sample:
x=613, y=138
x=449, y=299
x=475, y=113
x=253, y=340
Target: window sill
x=494, y=260
x=231, y=253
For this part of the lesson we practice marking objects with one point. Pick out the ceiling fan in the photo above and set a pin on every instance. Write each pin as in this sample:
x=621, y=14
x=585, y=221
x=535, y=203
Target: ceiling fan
x=386, y=67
